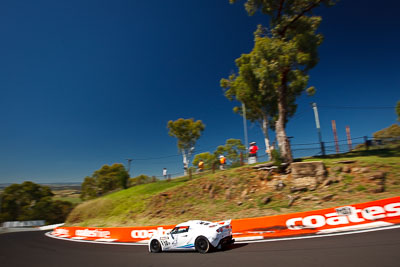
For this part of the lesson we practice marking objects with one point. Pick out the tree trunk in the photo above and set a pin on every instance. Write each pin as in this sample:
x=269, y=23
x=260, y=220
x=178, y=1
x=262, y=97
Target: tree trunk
x=185, y=163
x=266, y=136
x=283, y=141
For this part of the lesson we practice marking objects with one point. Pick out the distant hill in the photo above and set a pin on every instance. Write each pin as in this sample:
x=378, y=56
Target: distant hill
x=63, y=186
x=53, y=186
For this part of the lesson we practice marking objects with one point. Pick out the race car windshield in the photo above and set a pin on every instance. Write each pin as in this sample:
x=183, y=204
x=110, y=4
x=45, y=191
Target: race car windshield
x=178, y=230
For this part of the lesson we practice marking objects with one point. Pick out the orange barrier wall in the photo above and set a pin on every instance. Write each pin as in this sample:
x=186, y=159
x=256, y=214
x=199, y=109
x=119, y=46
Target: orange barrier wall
x=370, y=214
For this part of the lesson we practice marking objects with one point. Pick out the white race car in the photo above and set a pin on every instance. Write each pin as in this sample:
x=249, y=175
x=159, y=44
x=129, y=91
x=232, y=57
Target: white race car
x=194, y=235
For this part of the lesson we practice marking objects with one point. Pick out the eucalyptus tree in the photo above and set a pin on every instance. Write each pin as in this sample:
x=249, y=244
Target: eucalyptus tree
x=104, y=180
x=30, y=201
x=231, y=150
x=284, y=52
x=187, y=131
x=255, y=85
x=246, y=87
x=208, y=159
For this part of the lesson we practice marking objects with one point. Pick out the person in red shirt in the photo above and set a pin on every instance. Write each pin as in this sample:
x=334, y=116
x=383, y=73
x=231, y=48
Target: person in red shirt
x=253, y=152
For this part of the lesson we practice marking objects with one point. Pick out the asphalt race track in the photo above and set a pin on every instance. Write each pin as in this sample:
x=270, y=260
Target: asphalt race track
x=377, y=249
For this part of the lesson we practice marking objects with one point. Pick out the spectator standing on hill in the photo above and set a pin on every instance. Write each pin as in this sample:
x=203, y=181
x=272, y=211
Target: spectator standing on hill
x=164, y=172
x=253, y=153
x=222, y=162
x=200, y=166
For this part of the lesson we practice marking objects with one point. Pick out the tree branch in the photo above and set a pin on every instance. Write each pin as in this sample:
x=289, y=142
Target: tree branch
x=280, y=9
x=283, y=31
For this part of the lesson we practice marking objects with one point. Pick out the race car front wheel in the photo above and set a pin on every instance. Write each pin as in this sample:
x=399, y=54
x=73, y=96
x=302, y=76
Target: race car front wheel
x=201, y=244
x=155, y=246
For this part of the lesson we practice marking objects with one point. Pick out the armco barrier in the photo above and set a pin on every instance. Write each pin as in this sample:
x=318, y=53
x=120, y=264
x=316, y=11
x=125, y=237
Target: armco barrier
x=16, y=224
x=378, y=213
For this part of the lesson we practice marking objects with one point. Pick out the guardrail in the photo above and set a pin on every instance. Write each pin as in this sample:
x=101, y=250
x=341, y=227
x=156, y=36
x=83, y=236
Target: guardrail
x=18, y=224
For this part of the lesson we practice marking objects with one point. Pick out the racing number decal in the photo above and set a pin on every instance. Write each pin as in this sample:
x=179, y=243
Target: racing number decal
x=165, y=243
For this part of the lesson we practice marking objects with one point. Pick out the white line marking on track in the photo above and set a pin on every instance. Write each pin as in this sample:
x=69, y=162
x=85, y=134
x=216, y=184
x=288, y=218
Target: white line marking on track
x=48, y=234
x=78, y=237
x=250, y=238
x=326, y=235
x=355, y=227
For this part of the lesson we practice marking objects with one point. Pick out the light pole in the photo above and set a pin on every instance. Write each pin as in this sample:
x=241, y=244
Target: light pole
x=129, y=166
x=314, y=105
x=246, y=141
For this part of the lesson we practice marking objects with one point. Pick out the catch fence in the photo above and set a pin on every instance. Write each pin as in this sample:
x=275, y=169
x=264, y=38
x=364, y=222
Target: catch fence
x=338, y=147
x=304, y=150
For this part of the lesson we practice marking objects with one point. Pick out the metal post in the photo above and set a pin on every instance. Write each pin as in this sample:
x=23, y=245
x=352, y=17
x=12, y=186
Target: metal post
x=335, y=135
x=129, y=166
x=246, y=141
x=349, y=138
x=314, y=105
x=366, y=142
x=323, y=147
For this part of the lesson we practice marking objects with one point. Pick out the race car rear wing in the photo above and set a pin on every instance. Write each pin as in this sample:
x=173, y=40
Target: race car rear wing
x=225, y=222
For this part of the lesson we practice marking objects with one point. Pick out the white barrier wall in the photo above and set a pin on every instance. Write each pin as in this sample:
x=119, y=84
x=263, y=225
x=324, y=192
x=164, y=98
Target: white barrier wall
x=16, y=224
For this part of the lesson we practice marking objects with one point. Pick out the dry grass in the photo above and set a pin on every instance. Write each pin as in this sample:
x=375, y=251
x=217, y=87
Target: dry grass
x=236, y=193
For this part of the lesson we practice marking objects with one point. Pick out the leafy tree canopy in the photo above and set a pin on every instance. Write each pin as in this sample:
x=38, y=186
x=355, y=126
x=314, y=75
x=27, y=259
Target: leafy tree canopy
x=277, y=66
x=392, y=131
x=104, y=180
x=283, y=11
x=208, y=158
x=187, y=131
x=398, y=110
x=89, y=188
x=231, y=150
x=31, y=201
x=141, y=179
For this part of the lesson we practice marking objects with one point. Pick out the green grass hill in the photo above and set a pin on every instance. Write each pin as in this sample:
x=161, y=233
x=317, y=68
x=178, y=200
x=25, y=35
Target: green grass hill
x=244, y=192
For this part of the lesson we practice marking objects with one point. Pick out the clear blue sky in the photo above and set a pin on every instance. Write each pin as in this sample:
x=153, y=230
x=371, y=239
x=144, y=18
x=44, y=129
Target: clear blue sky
x=87, y=82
